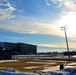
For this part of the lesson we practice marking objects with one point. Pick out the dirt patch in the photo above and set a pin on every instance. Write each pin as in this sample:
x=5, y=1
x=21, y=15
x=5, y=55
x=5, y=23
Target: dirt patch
x=30, y=65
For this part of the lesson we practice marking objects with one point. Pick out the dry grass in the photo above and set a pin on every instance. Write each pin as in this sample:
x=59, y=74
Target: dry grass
x=22, y=65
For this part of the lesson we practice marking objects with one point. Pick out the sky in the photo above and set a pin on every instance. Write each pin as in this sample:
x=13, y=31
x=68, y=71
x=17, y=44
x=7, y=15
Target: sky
x=39, y=22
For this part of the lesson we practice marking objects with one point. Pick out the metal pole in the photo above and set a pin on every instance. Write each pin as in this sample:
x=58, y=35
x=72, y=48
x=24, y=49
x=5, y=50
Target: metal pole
x=64, y=28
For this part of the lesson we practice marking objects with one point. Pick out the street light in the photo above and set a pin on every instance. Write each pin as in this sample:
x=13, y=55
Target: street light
x=64, y=28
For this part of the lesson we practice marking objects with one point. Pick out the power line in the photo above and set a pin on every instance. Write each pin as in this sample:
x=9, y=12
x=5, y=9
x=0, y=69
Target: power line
x=64, y=28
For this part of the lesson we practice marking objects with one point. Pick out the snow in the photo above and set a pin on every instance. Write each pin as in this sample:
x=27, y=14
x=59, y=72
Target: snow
x=74, y=56
x=72, y=64
x=31, y=67
x=65, y=71
x=11, y=71
x=1, y=61
x=68, y=70
x=51, y=68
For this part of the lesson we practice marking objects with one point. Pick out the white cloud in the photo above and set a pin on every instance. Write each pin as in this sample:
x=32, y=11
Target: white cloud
x=7, y=11
x=10, y=8
x=32, y=27
x=5, y=14
x=47, y=3
x=13, y=37
x=59, y=45
x=49, y=45
x=28, y=25
x=68, y=4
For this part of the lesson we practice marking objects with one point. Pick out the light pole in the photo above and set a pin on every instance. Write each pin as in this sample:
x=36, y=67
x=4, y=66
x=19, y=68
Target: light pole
x=64, y=28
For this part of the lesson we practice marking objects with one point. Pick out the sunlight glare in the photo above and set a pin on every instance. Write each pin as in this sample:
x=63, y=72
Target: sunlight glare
x=70, y=21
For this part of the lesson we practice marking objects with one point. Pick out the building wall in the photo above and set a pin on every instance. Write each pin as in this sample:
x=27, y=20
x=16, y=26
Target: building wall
x=71, y=53
x=27, y=48
x=21, y=48
x=5, y=54
x=7, y=45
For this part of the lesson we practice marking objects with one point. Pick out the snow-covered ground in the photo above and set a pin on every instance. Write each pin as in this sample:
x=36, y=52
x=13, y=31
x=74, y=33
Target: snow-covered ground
x=1, y=61
x=68, y=70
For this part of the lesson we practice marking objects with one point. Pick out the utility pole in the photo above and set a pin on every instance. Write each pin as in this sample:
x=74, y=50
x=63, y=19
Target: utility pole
x=64, y=28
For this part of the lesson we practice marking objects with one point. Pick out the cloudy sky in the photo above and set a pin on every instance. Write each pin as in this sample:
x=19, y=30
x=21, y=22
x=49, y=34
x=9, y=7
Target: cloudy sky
x=39, y=22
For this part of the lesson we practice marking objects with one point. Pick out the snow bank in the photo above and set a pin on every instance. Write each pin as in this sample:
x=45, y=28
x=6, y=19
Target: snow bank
x=11, y=71
x=1, y=61
x=66, y=71
x=51, y=68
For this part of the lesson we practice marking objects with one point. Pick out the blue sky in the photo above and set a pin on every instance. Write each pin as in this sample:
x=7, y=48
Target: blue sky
x=38, y=22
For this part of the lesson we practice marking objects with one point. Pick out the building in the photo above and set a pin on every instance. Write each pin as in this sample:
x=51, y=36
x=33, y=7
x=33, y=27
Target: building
x=23, y=48
x=16, y=49
x=5, y=54
x=70, y=53
x=7, y=45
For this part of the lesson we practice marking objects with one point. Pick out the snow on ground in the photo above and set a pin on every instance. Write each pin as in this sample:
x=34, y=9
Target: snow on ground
x=42, y=62
x=30, y=67
x=51, y=68
x=1, y=61
x=66, y=71
x=72, y=64
x=74, y=56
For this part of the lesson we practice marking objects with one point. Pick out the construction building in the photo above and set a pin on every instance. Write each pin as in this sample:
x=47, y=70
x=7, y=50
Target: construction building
x=7, y=49
x=23, y=48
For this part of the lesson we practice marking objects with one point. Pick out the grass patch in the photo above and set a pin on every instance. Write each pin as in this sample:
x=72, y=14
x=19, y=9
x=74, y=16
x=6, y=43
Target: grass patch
x=21, y=65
